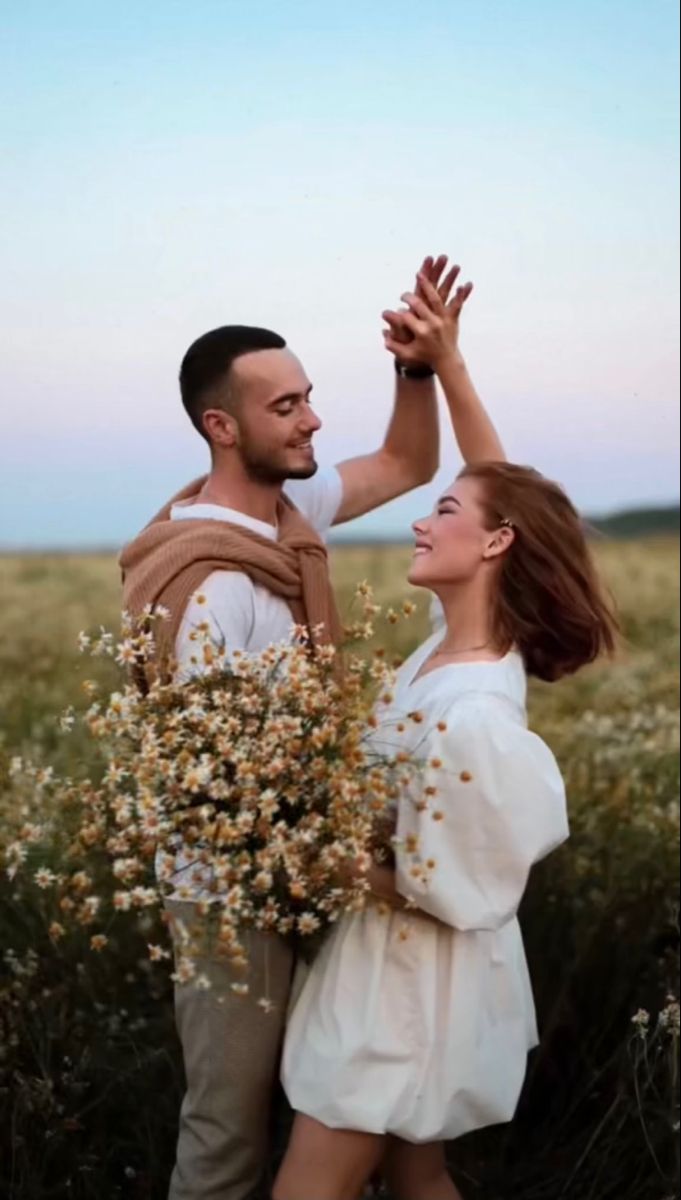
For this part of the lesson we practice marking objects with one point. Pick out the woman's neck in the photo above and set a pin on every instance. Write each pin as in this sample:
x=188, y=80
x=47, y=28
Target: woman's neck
x=468, y=617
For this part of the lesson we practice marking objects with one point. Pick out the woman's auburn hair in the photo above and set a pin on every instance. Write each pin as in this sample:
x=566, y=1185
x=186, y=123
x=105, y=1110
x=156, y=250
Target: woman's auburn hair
x=549, y=602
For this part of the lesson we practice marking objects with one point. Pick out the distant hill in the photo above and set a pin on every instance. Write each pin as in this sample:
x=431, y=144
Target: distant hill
x=638, y=522
x=628, y=523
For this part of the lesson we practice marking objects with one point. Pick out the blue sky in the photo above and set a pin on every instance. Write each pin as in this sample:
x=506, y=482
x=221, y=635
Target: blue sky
x=171, y=166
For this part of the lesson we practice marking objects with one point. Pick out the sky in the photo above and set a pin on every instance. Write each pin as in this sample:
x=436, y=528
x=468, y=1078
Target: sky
x=169, y=167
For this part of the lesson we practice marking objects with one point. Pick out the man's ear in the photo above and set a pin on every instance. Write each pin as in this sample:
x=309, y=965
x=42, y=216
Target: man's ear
x=220, y=428
x=499, y=542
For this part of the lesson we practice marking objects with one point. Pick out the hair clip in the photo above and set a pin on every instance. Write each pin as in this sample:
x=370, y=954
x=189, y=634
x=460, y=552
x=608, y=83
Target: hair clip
x=507, y=523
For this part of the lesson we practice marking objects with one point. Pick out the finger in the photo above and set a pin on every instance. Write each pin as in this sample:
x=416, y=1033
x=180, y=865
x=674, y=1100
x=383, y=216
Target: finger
x=397, y=331
x=424, y=269
x=415, y=326
x=448, y=283
x=417, y=305
x=431, y=295
x=394, y=319
x=438, y=267
x=402, y=350
x=406, y=321
x=460, y=297
x=395, y=347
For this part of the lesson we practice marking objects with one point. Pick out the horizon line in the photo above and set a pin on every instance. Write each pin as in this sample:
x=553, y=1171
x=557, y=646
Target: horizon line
x=339, y=538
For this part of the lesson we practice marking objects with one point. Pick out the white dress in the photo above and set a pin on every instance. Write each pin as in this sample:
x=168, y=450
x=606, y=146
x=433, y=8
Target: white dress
x=421, y=1028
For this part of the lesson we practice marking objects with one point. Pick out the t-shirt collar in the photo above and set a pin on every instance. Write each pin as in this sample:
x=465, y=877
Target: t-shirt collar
x=219, y=512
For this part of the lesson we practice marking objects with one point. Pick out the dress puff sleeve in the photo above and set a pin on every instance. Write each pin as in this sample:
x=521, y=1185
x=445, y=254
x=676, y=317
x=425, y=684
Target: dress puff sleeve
x=489, y=803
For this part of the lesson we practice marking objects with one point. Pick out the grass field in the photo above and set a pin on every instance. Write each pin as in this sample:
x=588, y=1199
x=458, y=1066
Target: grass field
x=89, y=1071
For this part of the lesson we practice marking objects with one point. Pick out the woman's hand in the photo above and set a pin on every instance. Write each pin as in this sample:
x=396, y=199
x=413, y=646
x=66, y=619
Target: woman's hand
x=381, y=881
x=382, y=842
x=430, y=322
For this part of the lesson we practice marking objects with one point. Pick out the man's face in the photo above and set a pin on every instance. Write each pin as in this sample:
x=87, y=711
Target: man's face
x=274, y=417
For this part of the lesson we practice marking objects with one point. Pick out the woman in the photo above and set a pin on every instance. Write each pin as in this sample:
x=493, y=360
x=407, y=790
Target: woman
x=415, y=1022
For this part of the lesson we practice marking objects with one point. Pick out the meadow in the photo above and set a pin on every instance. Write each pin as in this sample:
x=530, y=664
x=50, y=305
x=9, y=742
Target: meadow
x=90, y=1072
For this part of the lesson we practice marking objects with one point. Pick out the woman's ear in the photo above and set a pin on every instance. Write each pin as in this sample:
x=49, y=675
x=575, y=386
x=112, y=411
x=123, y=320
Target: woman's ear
x=499, y=542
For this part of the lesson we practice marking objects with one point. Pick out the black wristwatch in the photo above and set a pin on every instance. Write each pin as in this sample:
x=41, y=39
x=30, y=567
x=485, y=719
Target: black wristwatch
x=417, y=372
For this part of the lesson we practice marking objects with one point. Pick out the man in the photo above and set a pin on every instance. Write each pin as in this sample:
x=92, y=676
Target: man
x=249, y=535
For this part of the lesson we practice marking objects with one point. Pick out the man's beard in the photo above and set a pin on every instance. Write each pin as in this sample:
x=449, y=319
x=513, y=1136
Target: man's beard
x=262, y=469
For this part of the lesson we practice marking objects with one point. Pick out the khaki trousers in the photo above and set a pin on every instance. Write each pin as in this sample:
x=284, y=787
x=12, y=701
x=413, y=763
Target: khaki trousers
x=231, y=1051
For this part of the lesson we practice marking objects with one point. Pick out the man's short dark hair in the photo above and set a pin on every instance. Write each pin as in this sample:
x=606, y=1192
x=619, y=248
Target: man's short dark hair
x=208, y=362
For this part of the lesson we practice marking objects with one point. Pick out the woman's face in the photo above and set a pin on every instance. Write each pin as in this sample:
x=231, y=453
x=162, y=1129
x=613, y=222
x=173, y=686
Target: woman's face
x=453, y=544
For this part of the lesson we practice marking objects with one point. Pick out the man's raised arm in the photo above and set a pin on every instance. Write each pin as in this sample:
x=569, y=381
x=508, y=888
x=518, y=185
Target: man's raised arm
x=410, y=454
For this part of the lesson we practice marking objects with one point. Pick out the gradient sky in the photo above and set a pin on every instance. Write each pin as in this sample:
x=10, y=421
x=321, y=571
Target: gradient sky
x=169, y=167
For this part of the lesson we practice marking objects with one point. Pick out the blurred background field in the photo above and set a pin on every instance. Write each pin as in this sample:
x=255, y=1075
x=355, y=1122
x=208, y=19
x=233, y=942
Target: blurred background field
x=90, y=1079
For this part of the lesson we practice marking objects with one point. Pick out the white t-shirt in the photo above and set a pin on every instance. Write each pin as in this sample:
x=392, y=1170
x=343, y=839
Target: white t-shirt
x=242, y=614
x=246, y=616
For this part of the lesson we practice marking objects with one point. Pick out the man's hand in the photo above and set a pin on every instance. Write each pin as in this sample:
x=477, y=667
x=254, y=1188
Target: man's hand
x=427, y=331
x=431, y=272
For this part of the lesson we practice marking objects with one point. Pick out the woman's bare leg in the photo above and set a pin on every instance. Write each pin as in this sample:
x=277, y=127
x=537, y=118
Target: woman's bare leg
x=326, y=1164
x=418, y=1172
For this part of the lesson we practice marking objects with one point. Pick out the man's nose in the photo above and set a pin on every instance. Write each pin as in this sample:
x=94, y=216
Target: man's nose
x=312, y=422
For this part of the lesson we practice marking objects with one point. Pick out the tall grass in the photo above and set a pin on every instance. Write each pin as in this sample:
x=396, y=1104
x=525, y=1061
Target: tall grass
x=90, y=1073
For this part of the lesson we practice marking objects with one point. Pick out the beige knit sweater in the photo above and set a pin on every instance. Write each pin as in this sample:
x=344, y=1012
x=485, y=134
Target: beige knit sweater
x=169, y=560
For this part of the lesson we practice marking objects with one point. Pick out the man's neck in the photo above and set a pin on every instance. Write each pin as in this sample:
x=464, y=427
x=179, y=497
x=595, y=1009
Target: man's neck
x=251, y=497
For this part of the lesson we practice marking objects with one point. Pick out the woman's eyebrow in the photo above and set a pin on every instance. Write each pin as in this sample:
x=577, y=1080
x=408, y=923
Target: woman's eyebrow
x=450, y=500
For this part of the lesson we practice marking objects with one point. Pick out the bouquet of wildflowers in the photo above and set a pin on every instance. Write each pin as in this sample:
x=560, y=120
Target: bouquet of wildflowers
x=249, y=783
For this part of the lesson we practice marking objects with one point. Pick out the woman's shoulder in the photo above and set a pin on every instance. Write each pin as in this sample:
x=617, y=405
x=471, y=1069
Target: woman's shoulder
x=488, y=692
x=475, y=684
x=489, y=729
